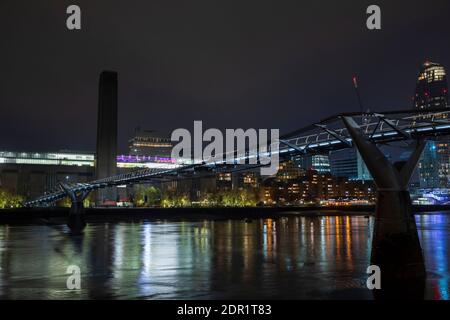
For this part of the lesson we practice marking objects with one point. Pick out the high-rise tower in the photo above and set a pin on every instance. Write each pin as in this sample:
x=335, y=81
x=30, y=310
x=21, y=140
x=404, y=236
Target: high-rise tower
x=106, y=162
x=431, y=87
x=432, y=92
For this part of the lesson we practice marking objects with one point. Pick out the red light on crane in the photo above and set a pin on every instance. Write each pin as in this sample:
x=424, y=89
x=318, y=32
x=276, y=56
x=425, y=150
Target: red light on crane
x=355, y=81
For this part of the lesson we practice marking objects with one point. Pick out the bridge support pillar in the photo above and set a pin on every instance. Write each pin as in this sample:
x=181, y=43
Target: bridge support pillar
x=396, y=248
x=76, y=221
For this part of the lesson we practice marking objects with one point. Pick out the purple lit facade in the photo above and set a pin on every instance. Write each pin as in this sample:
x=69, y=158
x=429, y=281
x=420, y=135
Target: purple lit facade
x=139, y=159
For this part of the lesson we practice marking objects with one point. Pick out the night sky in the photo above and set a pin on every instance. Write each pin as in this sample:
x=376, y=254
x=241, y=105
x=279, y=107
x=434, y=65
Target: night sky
x=247, y=63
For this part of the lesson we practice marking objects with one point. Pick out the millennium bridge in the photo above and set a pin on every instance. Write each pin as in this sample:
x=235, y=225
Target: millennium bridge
x=338, y=132
x=396, y=249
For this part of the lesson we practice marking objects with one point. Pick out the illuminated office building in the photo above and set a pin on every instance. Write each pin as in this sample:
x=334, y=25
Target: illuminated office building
x=150, y=143
x=318, y=162
x=318, y=188
x=348, y=163
x=432, y=92
x=30, y=174
x=431, y=87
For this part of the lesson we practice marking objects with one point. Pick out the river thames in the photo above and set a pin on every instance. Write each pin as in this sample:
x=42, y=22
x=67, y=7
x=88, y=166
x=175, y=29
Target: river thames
x=292, y=257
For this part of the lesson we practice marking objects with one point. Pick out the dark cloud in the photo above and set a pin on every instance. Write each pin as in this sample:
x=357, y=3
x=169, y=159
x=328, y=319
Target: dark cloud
x=246, y=63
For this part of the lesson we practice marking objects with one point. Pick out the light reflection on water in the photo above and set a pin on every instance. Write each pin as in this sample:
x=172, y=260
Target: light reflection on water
x=434, y=233
x=292, y=257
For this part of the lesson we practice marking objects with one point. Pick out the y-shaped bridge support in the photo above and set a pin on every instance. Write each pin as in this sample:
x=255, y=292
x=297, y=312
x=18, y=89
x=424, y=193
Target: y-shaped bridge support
x=395, y=245
x=76, y=221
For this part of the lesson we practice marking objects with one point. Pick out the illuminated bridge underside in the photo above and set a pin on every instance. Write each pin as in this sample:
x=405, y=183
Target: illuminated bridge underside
x=327, y=135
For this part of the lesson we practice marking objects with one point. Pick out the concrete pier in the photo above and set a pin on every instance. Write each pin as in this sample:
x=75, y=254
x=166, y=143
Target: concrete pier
x=395, y=243
x=76, y=221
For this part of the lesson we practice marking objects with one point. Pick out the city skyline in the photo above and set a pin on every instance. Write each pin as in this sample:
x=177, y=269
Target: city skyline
x=281, y=65
x=162, y=133
x=225, y=151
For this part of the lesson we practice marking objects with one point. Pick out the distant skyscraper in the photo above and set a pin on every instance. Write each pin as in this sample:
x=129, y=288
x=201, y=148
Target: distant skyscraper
x=432, y=92
x=429, y=167
x=106, y=161
x=349, y=163
x=318, y=162
x=431, y=87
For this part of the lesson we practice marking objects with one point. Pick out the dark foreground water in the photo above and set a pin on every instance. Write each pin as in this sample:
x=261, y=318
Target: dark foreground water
x=294, y=257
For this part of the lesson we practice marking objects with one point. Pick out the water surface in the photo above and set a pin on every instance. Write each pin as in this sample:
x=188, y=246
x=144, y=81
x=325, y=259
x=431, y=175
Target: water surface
x=286, y=258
